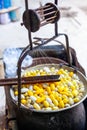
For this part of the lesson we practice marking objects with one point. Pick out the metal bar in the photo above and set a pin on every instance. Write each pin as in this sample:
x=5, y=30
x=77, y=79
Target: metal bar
x=44, y=43
x=29, y=30
x=26, y=4
x=46, y=22
x=42, y=7
x=48, y=19
x=21, y=58
x=48, y=9
x=67, y=48
x=56, y=2
x=56, y=28
x=56, y=24
x=19, y=66
x=43, y=15
x=45, y=9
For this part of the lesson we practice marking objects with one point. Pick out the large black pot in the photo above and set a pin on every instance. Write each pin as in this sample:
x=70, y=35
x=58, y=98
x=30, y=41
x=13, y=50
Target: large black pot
x=71, y=119
x=67, y=119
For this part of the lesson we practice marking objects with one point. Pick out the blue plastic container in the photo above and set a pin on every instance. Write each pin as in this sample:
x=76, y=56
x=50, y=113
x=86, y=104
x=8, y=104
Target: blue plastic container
x=7, y=3
x=13, y=16
x=1, y=4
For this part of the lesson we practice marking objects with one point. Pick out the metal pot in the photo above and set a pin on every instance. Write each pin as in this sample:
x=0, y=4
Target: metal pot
x=72, y=118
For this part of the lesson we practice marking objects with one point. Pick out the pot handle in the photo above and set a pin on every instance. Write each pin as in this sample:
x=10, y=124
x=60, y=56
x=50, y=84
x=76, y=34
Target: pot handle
x=69, y=58
x=66, y=47
x=28, y=50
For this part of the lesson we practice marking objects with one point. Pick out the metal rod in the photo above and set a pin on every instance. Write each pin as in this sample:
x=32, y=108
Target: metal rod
x=42, y=7
x=29, y=30
x=56, y=28
x=48, y=9
x=46, y=22
x=67, y=48
x=19, y=67
x=56, y=24
x=56, y=2
x=48, y=13
x=48, y=19
x=45, y=9
x=26, y=4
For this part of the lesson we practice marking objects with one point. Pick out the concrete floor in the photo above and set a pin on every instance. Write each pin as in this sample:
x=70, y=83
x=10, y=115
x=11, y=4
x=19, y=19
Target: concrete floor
x=13, y=35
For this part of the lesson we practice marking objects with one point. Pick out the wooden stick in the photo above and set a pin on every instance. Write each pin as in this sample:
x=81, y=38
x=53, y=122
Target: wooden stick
x=29, y=80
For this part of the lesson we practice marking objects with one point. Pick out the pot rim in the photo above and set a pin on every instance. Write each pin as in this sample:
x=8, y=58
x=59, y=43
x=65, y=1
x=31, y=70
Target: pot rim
x=80, y=75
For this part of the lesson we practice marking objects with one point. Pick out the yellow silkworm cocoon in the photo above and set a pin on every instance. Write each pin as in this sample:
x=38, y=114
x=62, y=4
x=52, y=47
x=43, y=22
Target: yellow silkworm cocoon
x=69, y=94
x=30, y=93
x=61, y=88
x=46, y=104
x=16, y=93
x=59, y=98
x=76, y=99
x=35, y=87
x=61, y=104
x=73, y=87
x=57, y=83
x=52, y=86
x=36, y=106
x=41, y=94
x=64, y=96
x=52, y=97
x=39, y=91
x=55, y=94
x=26, y=94
x=66, y=89
x=23, y=101
x=55, y=108
x=41, y=99
x=36, y=95
x=74, y=82
x=71, y=74
x=43, y=73
x=55, y=102
x=48, y=90
x=75, y=93
x=65, y=100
